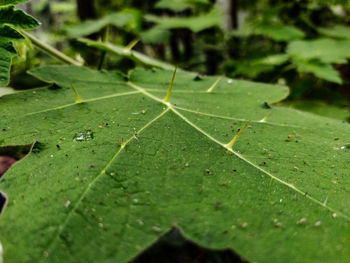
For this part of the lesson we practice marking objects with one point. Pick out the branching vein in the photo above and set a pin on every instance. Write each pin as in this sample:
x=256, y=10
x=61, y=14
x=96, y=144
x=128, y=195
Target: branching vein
x=103, y=172
x=240, y=156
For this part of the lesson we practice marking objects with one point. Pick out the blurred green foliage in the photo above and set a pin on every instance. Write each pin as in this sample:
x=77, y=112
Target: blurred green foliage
x=301, y=43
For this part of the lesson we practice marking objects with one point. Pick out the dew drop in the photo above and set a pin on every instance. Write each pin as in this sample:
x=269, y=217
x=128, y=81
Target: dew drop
x=86, y=135
x=156, y=229
x=243, y=225
x=1, y=252
x=67, y=203
x=277, y=223
x=302, y=221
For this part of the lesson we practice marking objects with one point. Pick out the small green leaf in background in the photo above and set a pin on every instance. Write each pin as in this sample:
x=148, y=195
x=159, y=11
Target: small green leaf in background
x=337, y=31
x=279, y=32
x=193, y=23
x=317, y=56
x=128, y=19
x=12, y=2
x=108, y=177
x=320, y=108
x=11, y=18
x=324, y=50
x=319, y=69
x=181, y=5
x=17, y=18
x=125, y=52
x=275, y=31
x=155, y=35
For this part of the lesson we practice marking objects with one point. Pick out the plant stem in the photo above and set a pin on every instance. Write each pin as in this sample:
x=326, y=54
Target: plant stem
x=103, y=54
x=50, y=50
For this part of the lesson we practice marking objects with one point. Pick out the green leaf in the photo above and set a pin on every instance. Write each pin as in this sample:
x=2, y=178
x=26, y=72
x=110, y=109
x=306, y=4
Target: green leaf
x=249, y=68
x=12, y=2
x=126, y=52
x=155, y=35
x=320, y=108
x=110, y=176
x=319, y=69
x=275, y=59
x=279, y=32
x=8, y=34
x=275, y=31
x=193, y=23
x=7, y=52
x=337, y=31
x=11, y=16
x=181, y=5
x=324, y=50
x=254, y=67
x=129, y=19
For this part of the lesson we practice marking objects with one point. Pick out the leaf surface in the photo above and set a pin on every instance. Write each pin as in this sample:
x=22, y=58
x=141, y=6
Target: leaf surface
x=109, y=176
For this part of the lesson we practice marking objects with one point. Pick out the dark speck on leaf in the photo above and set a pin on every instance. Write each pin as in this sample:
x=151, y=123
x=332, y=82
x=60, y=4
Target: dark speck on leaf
x=266, y=105
x=197, y=78
x=2, y=202
x=38, y=146
x=54, y=87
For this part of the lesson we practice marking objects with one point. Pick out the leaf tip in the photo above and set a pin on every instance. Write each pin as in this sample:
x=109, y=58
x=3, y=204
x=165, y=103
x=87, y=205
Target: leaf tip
x=234, y=140
x=212, y=87
x=77, y=97
x=167, y=97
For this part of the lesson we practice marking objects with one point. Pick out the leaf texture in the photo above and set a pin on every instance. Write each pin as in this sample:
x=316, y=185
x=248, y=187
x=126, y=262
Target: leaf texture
x=107, y=177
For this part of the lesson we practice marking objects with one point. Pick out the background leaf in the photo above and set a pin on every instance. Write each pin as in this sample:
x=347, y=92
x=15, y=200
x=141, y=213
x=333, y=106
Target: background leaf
x=128, y=19
x=194, y=23
x=11, y=16
x=324, y=50
x=337, y=31
x=125, y=52
x=12, y=2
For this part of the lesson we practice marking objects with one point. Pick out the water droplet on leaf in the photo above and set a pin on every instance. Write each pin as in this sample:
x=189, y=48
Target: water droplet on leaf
x=86, y=135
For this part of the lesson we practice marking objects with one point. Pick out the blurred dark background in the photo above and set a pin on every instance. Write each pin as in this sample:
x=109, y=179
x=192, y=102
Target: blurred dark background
x=303, y=44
